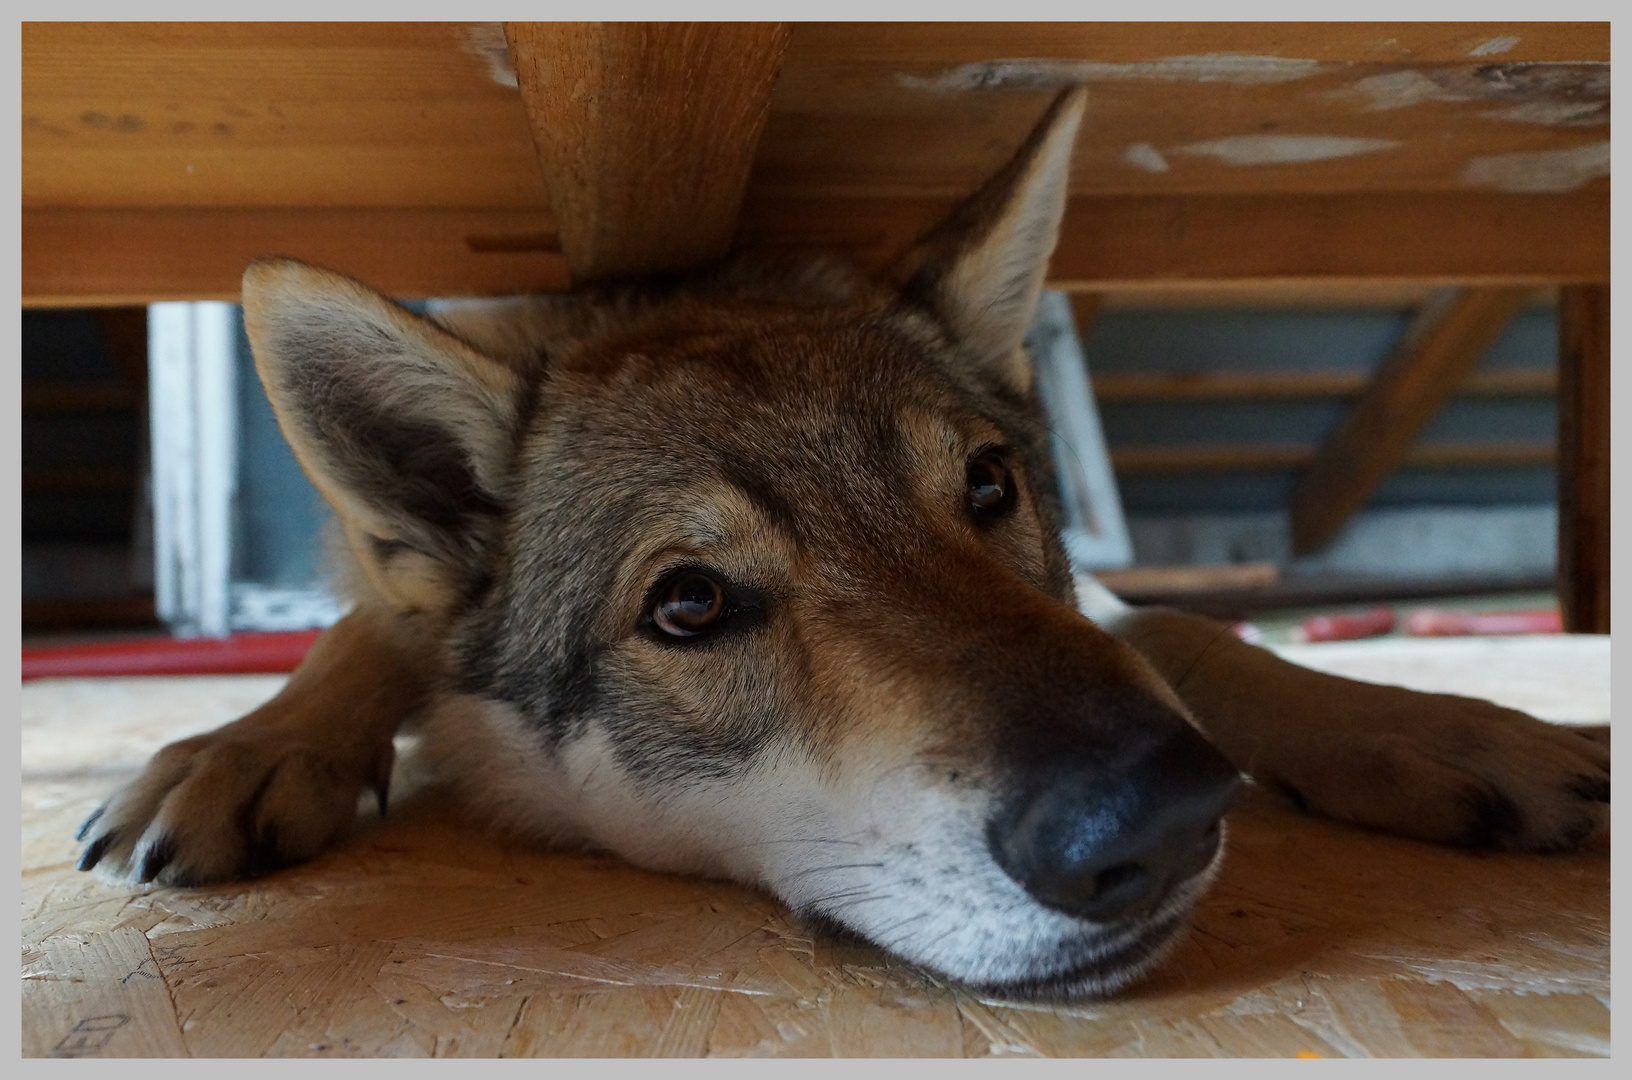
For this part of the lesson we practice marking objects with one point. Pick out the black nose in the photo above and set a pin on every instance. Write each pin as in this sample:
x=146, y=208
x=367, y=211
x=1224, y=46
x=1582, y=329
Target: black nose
x=1110, y=839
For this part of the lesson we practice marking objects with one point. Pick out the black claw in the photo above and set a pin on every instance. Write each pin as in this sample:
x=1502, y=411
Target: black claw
x=263, y=857
x=1495, y=819
x=157, y=858
x=381, y=782
x=85, y=828
x=1577, y=833
x=1591, y=788
x=1287, y=792
x=98, y=848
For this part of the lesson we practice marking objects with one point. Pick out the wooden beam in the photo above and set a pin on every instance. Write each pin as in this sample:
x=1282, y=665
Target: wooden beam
x=1273, y=457
x=1465, y=237
x=1583, y=466
x=94, y=258
x=901, y=44
x=1413, y=384
x=133, y=256
x=1259, y=385
x=645, y=133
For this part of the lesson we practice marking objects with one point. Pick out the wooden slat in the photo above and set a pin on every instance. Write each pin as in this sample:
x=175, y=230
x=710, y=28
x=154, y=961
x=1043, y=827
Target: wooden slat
x=135, y=256
x=1247, y=385
x=645, y=134
x=1583, y=474
x=1271, y=457
x=1315, y=294
x=1126, y=42
x=104, y=257
x=339, y=114
x=429, y=115
x=1469, y=237
x=1413, y=384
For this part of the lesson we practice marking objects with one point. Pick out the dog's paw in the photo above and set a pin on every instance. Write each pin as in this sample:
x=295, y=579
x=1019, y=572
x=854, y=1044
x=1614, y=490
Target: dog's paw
x=1452, y=770
x=228, y=804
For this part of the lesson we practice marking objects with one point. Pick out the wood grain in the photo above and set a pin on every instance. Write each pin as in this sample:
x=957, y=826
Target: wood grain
x=1413, y=384
x=111, y=257
x=1125, y=42
x=100, y=257
x=429, y=115
x=1583, y=473
x=422, y=935
x=645, y=134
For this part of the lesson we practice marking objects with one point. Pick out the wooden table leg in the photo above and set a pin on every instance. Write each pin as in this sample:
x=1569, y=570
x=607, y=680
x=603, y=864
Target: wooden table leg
x=1583, y=458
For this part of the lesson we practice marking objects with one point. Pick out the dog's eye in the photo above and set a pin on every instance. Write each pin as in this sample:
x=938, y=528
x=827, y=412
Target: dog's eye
x=689, y=605
x=991, y=488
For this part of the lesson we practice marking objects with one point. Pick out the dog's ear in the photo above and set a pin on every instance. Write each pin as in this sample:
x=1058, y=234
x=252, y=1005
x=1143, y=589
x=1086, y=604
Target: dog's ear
x=981, y=270
x=404, y=428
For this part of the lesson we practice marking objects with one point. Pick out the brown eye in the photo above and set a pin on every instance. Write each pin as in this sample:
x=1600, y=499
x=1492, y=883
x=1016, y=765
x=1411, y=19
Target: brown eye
x=991, y=488
x=689, y=605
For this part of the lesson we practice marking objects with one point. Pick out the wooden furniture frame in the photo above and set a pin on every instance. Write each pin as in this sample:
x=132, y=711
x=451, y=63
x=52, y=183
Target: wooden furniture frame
x=446, y=159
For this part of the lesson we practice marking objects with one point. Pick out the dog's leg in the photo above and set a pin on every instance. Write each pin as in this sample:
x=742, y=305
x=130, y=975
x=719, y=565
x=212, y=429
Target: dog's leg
x=1434, y=766
x=277, y=785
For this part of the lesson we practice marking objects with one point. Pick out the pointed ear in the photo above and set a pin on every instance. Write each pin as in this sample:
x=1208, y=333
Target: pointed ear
x=404, y=428
x=981, y=270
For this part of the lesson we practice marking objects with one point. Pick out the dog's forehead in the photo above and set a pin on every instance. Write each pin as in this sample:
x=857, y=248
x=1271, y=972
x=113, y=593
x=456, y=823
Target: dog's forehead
x=774, y=392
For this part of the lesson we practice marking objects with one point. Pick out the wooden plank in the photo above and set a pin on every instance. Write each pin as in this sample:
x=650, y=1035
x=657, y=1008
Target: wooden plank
x=136, y=256
x=1583, y=472
x=272, y=114
x=1327, y=294
x=1413, y=384
x=1469, y=238
x=1125, y=42
x=1272, y=457
x=1246, y=385
x=108, y=257
x=645, y=134
x=430, y=116
x=423, y=934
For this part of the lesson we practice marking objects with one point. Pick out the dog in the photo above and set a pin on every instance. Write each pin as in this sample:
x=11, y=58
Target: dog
x=757, y=575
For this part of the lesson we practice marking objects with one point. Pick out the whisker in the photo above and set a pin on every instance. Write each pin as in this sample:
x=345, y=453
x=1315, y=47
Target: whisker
x=835, y=866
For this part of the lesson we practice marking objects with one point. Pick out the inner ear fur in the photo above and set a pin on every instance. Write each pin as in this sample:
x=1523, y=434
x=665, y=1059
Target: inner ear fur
x=405, y=429
x=981, y=270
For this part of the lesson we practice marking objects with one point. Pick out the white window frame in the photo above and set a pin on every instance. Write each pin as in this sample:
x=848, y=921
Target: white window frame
x=192, y=350
x=1095, y=530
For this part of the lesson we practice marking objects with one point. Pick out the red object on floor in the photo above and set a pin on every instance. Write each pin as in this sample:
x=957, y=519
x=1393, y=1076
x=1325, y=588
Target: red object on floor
x=239, y=654
x=1347, y=627
x=1432, y=622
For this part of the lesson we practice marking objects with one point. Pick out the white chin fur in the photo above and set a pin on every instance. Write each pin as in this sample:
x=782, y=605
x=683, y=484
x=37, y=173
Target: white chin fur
x=897, y=860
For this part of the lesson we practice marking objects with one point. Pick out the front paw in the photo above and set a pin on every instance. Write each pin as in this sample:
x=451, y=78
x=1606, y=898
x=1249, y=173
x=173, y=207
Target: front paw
x=1452, y=770
x=232, y=803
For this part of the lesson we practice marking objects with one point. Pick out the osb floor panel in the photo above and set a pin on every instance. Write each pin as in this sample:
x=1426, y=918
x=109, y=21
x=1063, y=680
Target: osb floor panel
x=423, y=937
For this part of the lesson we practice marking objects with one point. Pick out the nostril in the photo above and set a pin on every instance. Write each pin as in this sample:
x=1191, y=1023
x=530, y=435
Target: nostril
x=1120, y=884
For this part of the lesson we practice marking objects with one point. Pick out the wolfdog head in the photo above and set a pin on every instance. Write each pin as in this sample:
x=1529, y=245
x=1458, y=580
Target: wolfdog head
x=759, y=576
